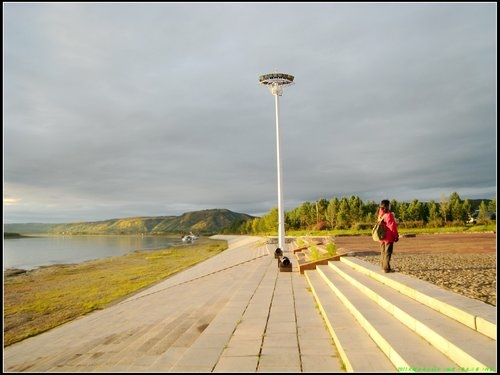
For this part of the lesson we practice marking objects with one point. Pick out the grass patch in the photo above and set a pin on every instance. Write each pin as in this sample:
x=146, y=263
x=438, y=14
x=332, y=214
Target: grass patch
x=314, y=252
x=331, y=248
x=357, y=232
x=41, y=299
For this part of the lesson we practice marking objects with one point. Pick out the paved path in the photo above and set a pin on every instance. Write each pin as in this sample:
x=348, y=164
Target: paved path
x=235, y=312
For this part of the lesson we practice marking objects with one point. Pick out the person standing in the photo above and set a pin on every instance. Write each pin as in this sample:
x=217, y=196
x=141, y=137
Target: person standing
x=391, y=235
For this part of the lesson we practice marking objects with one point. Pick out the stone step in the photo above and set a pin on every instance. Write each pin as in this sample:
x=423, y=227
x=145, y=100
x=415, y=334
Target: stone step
x=465, y=346
x=401, y=345
x=402, y=318
x=358, y=351
x=473, y=313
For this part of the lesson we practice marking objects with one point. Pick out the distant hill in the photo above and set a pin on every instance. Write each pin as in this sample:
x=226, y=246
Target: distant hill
x=200, y=222
x=27, y=228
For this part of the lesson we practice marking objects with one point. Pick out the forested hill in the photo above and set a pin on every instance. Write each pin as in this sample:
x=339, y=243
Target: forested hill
x=199, y=222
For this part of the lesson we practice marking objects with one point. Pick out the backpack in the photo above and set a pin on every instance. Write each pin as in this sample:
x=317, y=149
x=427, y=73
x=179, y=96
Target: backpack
x=378, y=231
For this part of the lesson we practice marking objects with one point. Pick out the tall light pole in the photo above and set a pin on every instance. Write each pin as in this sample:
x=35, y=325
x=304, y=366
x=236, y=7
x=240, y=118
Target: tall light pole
x=275, y=82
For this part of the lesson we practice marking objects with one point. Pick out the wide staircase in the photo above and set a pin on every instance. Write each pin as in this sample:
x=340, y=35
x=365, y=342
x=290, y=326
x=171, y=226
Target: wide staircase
x=396, y=323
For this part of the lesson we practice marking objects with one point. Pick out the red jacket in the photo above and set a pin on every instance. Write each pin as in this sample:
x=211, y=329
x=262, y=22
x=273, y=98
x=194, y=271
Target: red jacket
x=390, y=225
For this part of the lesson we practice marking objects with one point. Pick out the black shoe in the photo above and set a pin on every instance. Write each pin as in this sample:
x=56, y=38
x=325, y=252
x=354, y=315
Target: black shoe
x=389, y=270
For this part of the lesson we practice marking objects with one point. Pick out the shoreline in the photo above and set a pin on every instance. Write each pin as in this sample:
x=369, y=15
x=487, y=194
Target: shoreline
x=30, y=253
x=43, y=298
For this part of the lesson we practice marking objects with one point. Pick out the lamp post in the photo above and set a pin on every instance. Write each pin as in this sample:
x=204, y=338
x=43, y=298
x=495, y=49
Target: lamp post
x=276, y=82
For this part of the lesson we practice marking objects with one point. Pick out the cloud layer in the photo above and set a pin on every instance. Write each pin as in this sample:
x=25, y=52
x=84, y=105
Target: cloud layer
x=148, y=109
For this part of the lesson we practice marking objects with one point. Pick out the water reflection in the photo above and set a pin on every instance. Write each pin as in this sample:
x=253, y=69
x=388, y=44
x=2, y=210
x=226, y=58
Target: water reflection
x=29, y=253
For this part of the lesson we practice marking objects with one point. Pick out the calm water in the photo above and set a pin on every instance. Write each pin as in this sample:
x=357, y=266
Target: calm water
x=29, y=253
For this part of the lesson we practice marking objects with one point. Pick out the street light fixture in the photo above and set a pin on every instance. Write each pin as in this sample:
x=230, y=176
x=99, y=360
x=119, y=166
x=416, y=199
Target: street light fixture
x=276, y=82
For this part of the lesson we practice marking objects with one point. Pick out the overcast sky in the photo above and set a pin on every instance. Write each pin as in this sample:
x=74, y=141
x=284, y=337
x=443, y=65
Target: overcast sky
x=118, y=110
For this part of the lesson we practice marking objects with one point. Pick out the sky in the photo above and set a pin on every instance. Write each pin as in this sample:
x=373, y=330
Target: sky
x=115, y=110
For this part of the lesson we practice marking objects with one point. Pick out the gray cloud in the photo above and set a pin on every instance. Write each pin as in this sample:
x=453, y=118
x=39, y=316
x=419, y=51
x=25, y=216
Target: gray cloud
x=137, y=109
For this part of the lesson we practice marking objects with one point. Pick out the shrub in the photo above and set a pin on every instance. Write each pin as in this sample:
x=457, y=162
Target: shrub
x=362, y=226
x=411, y=224
x=314, y=252
x=331, y=248
x=320, y=226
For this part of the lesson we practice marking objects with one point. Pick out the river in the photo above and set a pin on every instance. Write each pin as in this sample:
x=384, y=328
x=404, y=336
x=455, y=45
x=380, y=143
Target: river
x=32, y=252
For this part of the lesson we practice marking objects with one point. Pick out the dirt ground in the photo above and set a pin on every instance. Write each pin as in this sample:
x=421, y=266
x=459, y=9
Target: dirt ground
x=460, y=243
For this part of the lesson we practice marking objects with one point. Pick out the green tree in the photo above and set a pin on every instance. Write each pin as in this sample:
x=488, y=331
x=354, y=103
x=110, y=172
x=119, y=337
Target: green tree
x=444, y=208
x=370, y=209
x=395, y=208
x=343, y=218
x=467, y=209
x=355, y=209
x=403, y=212
x=346, y=213
x=321, y=206
x=255, y=225
x=434, y=214
x=483, y=216
x=492, y=205
x=292, y=219
x=415, y=210
x=307, y=213
x=331, y=212
x=271, y=221
x=456, y=208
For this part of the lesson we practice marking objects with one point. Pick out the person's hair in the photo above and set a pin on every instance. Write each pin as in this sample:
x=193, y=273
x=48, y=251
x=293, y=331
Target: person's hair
x=385, y=204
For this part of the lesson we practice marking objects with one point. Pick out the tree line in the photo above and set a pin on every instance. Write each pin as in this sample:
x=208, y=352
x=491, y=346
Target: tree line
x=353, y=213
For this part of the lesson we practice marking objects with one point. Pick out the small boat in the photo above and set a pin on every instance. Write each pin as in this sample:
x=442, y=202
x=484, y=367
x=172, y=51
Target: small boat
x=188, y=238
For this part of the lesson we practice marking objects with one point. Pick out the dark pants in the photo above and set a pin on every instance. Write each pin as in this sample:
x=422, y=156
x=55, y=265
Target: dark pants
x=385, y=255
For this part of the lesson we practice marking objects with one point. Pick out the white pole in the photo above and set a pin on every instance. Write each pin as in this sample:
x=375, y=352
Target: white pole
x=281, y=216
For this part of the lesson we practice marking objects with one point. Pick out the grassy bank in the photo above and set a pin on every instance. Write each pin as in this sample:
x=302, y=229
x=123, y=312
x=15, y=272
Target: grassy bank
x=12, y=235
x=41, y=299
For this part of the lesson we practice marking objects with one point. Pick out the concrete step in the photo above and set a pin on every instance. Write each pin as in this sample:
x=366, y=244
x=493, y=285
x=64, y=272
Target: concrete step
x=404, y=349
x=358, y=351
x=411, y=334
x=475, y=314
x=463, y=345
